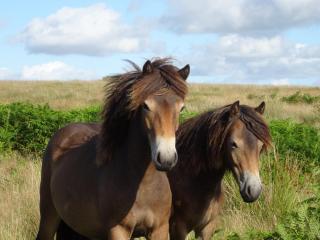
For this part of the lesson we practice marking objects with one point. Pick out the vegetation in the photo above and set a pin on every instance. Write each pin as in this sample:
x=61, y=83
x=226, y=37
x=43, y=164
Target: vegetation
x=289, y=207
x=299, y=97
x=201, y=97
x=27, y=128
x=300, y=140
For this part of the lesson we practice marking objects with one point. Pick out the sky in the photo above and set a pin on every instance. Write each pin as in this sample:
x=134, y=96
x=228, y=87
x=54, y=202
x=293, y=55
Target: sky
x=274, y=42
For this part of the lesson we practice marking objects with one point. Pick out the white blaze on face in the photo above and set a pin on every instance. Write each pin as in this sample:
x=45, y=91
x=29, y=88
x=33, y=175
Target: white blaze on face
x=253, y=180
x=166, y=147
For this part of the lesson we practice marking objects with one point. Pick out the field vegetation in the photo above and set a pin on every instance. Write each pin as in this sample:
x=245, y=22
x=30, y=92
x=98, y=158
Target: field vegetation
x=289, y=207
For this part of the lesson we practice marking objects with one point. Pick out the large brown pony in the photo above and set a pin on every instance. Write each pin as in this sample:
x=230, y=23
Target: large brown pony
x=229, y=138
x=103, y=180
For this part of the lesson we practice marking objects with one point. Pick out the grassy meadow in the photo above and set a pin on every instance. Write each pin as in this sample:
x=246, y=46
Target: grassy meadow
x=287, y=209
x=79, y=94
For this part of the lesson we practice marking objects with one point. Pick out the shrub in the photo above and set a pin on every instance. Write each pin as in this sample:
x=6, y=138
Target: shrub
x=299, y=97
x=185, y=115
x=26, y=127
x=300, y=140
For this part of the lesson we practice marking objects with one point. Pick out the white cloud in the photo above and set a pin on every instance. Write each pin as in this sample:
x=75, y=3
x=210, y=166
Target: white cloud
x=6, y=74
x=93, y=30
x=234, y=58
x=238, y=16
x=54, y=71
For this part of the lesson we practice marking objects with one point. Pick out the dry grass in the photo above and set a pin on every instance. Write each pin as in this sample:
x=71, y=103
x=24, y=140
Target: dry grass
x=77, y=94
x=59, y=95
x=281, y=194
x=203, y=97
x=19, y=187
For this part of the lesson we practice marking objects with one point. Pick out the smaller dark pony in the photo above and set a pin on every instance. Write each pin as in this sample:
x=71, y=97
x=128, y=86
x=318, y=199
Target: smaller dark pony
x=228, y=138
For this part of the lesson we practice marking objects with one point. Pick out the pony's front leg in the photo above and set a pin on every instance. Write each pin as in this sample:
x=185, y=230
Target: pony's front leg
x=207, y=232
x=119, y=232
x=178, y=229
x=160, y=233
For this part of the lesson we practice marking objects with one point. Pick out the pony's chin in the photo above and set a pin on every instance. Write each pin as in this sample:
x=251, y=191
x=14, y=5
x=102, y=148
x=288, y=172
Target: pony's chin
x=249, y=199
x=163, y=167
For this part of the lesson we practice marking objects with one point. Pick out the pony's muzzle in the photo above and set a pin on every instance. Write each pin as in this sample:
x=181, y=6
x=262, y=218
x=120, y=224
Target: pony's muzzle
x=165, y=157
x=250, y=187
x=166, y=164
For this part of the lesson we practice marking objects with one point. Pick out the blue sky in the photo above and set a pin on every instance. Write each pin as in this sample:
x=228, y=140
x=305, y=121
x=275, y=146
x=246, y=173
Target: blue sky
x=225, y=41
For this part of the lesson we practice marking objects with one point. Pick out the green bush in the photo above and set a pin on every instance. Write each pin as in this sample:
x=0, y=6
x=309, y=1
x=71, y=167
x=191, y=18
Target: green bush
x=299, y=97
x=185, y=115
x=27, y=128
x=300, y=140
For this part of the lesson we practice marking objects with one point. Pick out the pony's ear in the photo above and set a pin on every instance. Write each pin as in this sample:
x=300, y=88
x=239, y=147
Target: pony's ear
x=147, y=67
x=184, y=72
x=234, y=109
x=260, y=109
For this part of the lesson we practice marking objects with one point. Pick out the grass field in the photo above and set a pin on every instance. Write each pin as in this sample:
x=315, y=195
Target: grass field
x=70, y=95
x=286, y=183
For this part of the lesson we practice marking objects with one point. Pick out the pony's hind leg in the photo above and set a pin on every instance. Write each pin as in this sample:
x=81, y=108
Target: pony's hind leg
x=49, y=218
x=49, y=222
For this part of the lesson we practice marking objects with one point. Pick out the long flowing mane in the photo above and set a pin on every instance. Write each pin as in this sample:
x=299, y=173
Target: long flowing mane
x=124, y=95
x=200, y=139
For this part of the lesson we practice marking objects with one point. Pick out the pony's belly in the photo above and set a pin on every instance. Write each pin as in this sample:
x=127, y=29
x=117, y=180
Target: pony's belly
x=80, y=216
x=76, y=209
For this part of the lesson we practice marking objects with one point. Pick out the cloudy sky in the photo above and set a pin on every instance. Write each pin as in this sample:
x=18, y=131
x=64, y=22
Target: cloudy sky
x=225, y=41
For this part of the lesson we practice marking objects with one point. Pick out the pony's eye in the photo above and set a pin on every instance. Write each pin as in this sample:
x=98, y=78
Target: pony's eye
x=182, y=108
x=234, y=145
x=145, y=107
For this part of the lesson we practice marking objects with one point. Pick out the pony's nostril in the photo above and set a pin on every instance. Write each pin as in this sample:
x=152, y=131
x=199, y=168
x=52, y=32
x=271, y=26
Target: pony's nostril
x=249, y=191
x=159, y=158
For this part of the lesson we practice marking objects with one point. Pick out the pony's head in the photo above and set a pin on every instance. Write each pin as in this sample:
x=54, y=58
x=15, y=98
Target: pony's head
x=228, y=138
x=160, y=111
x=156, y=93
x=247, y=137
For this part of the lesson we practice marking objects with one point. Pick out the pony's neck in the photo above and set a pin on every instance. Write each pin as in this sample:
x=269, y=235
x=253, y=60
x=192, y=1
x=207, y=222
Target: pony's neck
x=197, y=159
x=136, y=146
